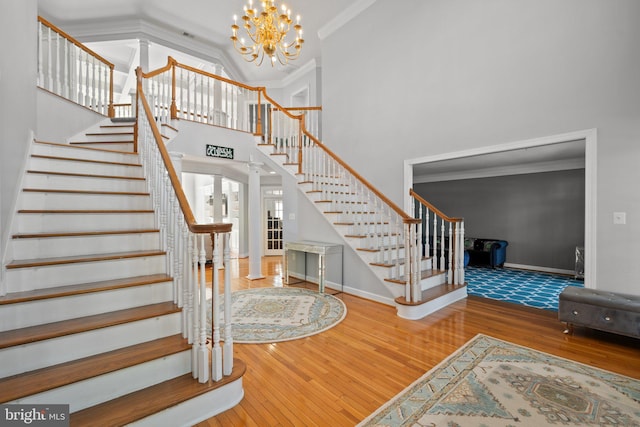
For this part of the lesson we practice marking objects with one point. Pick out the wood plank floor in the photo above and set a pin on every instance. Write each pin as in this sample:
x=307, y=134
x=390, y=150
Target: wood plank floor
x=339, y=377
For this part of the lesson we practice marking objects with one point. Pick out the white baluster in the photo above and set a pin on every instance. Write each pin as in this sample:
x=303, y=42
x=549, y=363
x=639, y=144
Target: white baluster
x=203, y=351
x=66, y=77
x=216, y=350
x=49, y=61
x=450, y=257
x=195, y=318
x=40, y=64
x=442, y=259
x=228, y=338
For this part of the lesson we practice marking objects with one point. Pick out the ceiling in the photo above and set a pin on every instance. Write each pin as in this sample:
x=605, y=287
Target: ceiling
x=196, y=33
x=535, y=159
x=201, y=28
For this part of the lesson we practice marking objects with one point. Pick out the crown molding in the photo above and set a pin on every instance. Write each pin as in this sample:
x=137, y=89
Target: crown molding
x=347, y=15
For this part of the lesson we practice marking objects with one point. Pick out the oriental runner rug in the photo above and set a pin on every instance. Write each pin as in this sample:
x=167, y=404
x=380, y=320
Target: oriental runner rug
x=489, y=382
x=266, y=315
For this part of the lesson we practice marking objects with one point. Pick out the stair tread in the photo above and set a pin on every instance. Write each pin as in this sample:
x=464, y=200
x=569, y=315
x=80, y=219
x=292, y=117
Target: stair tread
x=86, y=175
x=137, y=405
x=424, y=274
x=38, y=262
x=432, y=294
x=85, y=211
x=83, y=288
x=58, y=144
x=38, y=381
x=392, y=263
x=111, y=193
x=108, y=133
x=82, y=233
x=32, y=334
x=80, y=159
x=101, y=142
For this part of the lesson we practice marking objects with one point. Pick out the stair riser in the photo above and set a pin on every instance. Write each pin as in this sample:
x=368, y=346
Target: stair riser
x=78, y=245
x=16, y=360
x=82, y=153
x=60, y=182
x=109, y=135
x=112, y=146
x=420, y=311
x=42, y=312
x=26, y=279
x=115, y=384
x=82, y=201
x=61, y=222
x=57, y=165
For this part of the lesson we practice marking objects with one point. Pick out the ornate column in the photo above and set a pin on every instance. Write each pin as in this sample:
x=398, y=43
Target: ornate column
x=254, y=217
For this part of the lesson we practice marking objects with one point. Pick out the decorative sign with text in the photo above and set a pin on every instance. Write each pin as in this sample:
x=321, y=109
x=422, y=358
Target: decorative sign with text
x=222, y=152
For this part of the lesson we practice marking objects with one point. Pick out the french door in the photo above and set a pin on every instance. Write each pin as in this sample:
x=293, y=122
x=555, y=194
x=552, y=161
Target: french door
x=272, y=222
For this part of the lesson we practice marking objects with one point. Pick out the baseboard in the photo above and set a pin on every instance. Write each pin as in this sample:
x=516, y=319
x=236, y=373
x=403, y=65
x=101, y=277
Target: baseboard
x=541, y=269
x=347, y=290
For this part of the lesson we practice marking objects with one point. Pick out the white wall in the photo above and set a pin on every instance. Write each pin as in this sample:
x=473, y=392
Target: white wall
x=452, y=75
x=17, y=102
x=59, y=119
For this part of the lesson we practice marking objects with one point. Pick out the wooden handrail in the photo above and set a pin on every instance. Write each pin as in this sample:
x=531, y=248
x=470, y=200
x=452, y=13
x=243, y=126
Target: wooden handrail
x=192, y=224
x=433, y=208
x=110, y=108
x=74, y=41
x=405, y=217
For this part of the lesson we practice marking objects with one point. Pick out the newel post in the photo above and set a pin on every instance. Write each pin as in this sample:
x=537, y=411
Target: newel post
x=173, y=108
x=301, y=126
x=259, y=123
x=111, y=110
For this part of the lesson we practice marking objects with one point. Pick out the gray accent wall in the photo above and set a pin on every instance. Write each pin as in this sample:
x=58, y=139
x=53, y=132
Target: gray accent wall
x=541, y=215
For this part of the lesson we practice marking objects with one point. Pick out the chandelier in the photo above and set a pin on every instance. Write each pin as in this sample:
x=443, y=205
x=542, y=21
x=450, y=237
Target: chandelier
x=267, y=32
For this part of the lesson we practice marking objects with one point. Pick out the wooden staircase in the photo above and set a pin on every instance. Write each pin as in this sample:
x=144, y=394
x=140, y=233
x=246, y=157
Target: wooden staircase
x=89, y=317
x=365, y=228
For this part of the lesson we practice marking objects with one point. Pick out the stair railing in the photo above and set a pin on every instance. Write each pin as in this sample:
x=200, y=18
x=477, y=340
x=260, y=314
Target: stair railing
x=442, y=238
x=178, y=91
x=71, y=70
x=184, y=240
x=386, y=229
x=312, y=118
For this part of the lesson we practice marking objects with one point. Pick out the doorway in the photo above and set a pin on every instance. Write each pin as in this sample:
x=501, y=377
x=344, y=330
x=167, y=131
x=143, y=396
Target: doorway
x=588, y=139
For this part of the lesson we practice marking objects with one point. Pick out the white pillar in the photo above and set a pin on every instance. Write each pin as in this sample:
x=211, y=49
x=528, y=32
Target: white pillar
x=217, y=199
x=144, y=55
x=254, y=217
x=217, y=97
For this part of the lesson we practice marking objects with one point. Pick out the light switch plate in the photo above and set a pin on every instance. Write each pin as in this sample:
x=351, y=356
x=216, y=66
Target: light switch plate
x=620, y=218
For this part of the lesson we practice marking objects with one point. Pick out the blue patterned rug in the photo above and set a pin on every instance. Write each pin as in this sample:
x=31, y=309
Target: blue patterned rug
x=266, y=315
x=489, y=382
x=530, y=288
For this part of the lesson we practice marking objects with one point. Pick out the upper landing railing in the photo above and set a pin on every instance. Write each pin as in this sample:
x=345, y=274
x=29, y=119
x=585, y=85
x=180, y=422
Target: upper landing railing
x=178, y=91
x=71, y=70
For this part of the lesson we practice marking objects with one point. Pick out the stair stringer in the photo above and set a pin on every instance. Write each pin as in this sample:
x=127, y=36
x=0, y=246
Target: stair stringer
x=392, y=281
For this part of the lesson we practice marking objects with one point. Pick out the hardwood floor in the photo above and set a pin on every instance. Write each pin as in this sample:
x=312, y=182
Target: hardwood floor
x=340, y=376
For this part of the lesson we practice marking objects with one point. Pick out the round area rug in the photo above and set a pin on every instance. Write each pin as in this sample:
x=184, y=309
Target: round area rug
x=266, y=315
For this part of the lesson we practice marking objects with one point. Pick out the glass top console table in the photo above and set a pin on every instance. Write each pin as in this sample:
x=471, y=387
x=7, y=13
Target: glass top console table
x=329, y=261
